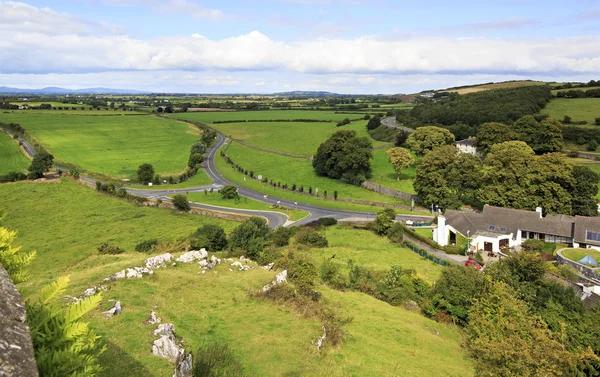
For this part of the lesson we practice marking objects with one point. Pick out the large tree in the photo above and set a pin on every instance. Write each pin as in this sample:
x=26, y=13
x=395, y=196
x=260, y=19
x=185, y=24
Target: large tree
x=400, y=158
x=344, y=156
x=427, y=138
x=584, y=191
x=374, y=122
x=41, y=163
x=492, y=133
x=145, y=173
x=543, y=137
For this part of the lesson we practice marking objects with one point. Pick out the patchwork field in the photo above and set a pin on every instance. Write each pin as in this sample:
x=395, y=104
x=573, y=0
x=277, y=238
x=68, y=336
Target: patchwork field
x=500, y=85
x=66, y=222
x=112, y=145
x=11, y=157
x=578, y=109
x=210, y=117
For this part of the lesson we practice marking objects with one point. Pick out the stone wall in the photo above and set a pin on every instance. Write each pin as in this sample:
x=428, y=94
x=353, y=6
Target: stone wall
x=588, y=272
x=16, y=350
x=389, y=192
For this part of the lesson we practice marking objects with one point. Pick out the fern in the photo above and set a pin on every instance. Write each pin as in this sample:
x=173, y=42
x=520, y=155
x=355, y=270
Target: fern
x=12, y=259
x=50, y=292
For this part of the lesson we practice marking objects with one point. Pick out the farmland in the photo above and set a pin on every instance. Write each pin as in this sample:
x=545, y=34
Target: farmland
x=11, y=157
x=578, y=109
x=211, y=117
x=385, y=175
x=112, y=145
x=498, y=85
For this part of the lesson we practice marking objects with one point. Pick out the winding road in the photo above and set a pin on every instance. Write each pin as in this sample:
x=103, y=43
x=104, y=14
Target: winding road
x=274, y=219
x=391, y=122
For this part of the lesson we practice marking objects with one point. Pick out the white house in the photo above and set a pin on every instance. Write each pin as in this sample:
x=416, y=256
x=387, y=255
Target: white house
x=467, y=146
x=496, y=228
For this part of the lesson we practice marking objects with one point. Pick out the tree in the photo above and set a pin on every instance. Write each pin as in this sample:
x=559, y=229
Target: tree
x=12, y=258
x=400, y=159
x=384, y=220
x=208, y=136
x=505, y=340
x=209, y=236
x=145, y=173
x=492, y=133
x=373, y=123
x=401, y=138
x=229, y=192
x=41, y=163
x=180, y=202
x=159, y=109
x=281, y=236
x=250, y=236
x=427, y=138
x=584, y=191
x=543, y=137
x=344, y=156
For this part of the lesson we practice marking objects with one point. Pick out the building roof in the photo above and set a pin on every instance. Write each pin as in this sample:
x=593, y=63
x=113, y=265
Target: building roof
x=588, y=259
x=469, y=142
x=582, y=225
x=499, y=220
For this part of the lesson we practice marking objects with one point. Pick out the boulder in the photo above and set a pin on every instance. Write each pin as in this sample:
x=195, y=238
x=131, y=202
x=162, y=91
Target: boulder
x=269, y=266
x=166, y=347
x=193, y=255
x=158, y=261
x=215, y=260
x=203, y=263
x=411, y=305
x=184, y=364
x=280, y=278
x=240, y=266
x=153, y=318
x=115, y=310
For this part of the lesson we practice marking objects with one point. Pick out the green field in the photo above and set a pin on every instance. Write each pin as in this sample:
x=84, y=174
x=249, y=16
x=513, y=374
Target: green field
x=425, y=232
x=292, y=171
x=578, y=109
x=65, y=222
x=577, y=254
x=53, y=104
x=11, y=157
x=79, y=111
x=113, y=146
x=385, y=175
x=216, y=199
x=208, y=117
x=199, y=179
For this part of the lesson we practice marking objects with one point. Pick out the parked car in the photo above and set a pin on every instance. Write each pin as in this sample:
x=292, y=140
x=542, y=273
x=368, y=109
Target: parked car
x=473, y=263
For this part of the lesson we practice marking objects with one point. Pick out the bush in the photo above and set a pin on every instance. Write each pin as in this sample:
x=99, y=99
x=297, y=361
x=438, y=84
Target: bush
x=181, y=203
x=327, y=221
x=229, y=192
x=592, y=145
x=301, y=271
x=395, y=233
x=281, y=236
x=250, y=236
x=310, y=237
x=533, y=245
x=383, y=222
x=216, y=360
x=107, y=248
x=331, y=275
x=145, y=173
x=210, y=236
x=146, y=246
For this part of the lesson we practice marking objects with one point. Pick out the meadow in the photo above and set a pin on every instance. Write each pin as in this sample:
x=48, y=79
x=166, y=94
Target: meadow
x=216, y=199
x=385, y=175
x=11, y=157
x=65, y=223
x=578, y=109
x=198, y=179
x=209, y=117
x=499, y=85
x=112, y=145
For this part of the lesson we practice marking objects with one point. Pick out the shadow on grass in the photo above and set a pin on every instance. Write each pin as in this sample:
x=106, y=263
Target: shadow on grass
x=116, y=362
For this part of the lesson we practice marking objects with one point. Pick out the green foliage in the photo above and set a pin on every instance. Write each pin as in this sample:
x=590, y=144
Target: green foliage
x=492, y=133
x=146, y=246
x=401, y=138
x=250, y=236
x=301, y=271
x=523, y=272
x=107, y=248
x=181, y=203
x=584, y=191
x=395, y=233
x=63, y=344
x=210, y=236
x=543, y=137
x=383, y=221
x=229, y=192
x=344, y=156
x=331, y=274
x=400, y=158
x=400, y=285
x=327, y=221
x=281, y=236
x=216, y=360
x=373, y=123
x=310, y=237
x=208, y=137
x=497, y=105
x=12, y=258
x=145, y=173
x=41, y=163
x=533, y=245
x=428, y=138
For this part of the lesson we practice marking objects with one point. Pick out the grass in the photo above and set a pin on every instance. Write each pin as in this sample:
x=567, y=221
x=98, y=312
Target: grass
x=578, y=109
x=368, y=250
x=79, y=111
x=199, y=179
x=291, y=170
x=209, y=117
x=425, y=232
x=385, y=175
x=216, y=199
x=11, y=157
x=65, y=223
x=500, y=85
x=577, y=254
x=113, y=146
x=53, y=104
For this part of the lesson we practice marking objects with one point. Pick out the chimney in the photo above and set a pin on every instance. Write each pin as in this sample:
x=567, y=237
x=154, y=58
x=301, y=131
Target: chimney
x=539, y=210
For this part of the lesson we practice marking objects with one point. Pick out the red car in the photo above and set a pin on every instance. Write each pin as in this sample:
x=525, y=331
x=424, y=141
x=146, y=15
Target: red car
x=473, y=263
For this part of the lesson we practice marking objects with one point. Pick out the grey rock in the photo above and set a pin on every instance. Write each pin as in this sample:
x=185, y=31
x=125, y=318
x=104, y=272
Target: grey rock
x=159, y=261
x=280, y=278
x=153, y=318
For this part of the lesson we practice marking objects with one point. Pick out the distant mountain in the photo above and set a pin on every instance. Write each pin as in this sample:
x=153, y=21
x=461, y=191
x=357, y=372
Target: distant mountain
x=303, y=93
x=62, y=91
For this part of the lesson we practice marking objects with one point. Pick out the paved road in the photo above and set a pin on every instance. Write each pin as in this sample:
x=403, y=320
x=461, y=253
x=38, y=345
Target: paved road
x=391, y=122
x=275, y=219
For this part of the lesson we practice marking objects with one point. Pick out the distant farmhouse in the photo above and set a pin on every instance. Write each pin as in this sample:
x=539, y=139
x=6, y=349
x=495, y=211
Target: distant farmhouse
x=467, y=146
x=497, y=228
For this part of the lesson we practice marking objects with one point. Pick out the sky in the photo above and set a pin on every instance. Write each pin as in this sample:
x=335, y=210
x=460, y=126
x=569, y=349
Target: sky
x=343, y=46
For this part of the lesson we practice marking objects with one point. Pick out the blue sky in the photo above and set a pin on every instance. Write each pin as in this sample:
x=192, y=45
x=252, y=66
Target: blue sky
x=346, y=46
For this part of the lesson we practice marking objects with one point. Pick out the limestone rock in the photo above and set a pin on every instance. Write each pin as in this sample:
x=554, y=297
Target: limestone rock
x=280, y=278
x=115, y=310
x=166, y=347
x=321, y=339
x=411, y=305
x=158, y=261
x=269, y=266
x=240, y=266
x=193, y=255
x=215, y=260
x=153, y=318
x=184, y=364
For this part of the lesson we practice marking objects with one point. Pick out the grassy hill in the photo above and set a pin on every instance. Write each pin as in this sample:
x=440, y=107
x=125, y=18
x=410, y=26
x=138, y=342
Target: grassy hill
x=578, y=109
x=11, y=157
x=489, y=86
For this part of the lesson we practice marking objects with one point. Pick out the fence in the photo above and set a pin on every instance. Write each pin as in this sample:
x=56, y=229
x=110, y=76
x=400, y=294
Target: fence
x=425, y=254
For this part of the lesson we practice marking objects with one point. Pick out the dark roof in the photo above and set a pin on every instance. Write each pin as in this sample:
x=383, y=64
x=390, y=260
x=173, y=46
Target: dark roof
x=465, y=142
x=501, y=220
x=582, y=225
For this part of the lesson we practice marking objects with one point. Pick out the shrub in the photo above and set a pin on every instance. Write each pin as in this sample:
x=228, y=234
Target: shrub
x=592, y=145
x=533, y=245
x=145, y=173
x=327, y=221
x=216, y=360
x=181, y=203
x=383, y=221
x=281, y=236
x=229, y=192
x=107, y=248
x=250, y=236
x=146, y=246
x=395, y=233
x=331, y=275
x=209, y=236
x=301, y=271
x=63, y=345
x=400, y=285
x=310, y=237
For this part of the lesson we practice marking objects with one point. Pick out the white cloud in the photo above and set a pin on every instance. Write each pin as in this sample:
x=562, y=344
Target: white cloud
x=187, y=7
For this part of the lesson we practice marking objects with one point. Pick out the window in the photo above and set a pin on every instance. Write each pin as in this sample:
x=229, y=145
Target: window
x=592, y=236
x=524, y=234
x=503, y=229
x=491, y=228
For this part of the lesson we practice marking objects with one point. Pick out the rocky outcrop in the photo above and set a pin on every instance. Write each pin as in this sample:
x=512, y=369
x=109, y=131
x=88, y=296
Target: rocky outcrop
x=159, y=261
x=280, y=278
x=321, y=339
x=16, y=350
x=193, y=255
x=240, y=266
x=153, y=319
x=169, y=347
x=115, y=310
